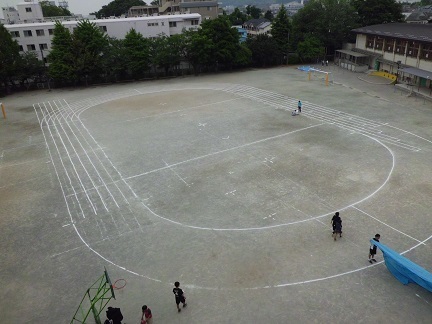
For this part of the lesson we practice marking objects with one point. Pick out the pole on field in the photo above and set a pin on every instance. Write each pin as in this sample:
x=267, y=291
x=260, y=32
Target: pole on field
x=3, y=110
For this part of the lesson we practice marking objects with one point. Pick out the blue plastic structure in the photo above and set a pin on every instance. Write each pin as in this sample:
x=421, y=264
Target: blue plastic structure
x=404, y=269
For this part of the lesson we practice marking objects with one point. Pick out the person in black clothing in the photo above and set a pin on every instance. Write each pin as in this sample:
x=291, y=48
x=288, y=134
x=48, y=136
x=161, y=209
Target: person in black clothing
x=115, y=315
x=373, y=249
x=179, y=296
x=336, y=222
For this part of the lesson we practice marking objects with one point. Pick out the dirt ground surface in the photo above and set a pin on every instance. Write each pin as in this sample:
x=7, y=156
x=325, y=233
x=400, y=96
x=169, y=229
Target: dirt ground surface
x=211, y=181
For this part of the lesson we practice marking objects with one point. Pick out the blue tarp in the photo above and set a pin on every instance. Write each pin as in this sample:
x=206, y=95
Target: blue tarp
x=404, y=269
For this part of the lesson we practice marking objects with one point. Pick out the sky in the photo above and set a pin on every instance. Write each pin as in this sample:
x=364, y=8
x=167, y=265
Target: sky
x=75, y=6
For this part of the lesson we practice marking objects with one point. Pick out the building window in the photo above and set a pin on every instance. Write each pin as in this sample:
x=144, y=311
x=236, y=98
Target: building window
x=162, y=23
x=426, y=52
x=413, y=49
x=173, y=23
x=209, y=8
x=28, y=10
x=31, y=47
x=194, y=22
x=103, y=28
x=28, y=33
x=379, y=42
x=40, y=32
x=51, y=31
x=21, y=49
x=389, y=45
x=43, y=46
x=370, y=42
x=15, y=34
x=400, y=47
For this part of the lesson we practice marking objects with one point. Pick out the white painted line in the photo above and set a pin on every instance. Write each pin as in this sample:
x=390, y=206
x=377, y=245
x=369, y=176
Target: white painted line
x=222, y=151
x=215, y=288
x=175, y=173
x=395, y=229
x=74, y=167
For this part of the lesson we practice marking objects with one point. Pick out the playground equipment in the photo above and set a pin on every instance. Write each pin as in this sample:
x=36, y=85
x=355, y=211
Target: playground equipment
x=95, y=299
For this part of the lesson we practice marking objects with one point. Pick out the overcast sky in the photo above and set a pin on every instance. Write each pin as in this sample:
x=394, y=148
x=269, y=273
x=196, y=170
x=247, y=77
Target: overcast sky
x=78, y=6
x=75, y=6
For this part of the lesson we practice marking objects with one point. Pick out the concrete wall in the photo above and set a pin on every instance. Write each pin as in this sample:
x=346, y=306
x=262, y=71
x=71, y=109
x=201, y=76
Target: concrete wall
x=118, y=28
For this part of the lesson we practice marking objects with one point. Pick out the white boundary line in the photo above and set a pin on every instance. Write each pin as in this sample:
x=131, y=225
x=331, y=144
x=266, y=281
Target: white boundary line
x=274, y=286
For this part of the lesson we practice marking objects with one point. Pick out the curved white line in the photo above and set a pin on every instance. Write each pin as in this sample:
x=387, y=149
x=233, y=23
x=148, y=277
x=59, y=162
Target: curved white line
x=289, y=223
x=262, y=287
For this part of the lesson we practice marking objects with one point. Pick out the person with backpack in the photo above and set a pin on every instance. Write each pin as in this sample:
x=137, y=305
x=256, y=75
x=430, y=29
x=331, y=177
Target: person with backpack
x=147, y=316
x=336, y=222
x=114, y=315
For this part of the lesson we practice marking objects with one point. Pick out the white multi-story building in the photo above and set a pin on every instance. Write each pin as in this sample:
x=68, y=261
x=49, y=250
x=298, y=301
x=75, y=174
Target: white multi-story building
x=37, y=37
x=10, y=15
x=30, y=11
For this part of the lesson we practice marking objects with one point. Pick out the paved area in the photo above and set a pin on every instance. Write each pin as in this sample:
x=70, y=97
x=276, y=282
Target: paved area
x=210, y=181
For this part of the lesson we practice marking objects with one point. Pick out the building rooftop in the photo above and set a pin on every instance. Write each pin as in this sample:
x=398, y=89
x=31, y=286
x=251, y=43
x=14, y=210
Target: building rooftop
x=419, y=32
x=132, y=19
x=260, y=22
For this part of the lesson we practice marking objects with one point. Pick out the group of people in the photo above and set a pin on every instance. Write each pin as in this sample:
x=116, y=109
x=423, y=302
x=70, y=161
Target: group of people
x=114, y=315
x=336, y=223
x=298, y=110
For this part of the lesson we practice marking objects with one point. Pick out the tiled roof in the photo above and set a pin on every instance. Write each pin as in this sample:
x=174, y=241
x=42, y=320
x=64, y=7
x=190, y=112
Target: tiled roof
x=419, y=32
x=257, y=22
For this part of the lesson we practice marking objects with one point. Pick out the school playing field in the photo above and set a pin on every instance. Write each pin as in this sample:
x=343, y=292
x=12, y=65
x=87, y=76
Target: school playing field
x=210, y=181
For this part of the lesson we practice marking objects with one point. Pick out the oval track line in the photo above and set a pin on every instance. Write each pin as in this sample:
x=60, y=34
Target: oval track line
x=67, y=152
x=262, y=287
x=61, y=160
x=100, y=161
x=72, y=163
x=88, y=158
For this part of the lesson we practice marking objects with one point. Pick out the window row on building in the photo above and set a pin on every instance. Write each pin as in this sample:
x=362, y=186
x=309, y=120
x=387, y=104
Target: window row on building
x=400, y=46
x=29, y=33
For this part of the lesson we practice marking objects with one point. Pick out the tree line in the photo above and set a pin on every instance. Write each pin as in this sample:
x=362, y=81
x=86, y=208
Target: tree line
x=88, y=55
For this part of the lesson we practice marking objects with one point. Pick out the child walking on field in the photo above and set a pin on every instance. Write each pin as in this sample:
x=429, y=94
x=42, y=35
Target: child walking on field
x=179, y=296
x=373, y=249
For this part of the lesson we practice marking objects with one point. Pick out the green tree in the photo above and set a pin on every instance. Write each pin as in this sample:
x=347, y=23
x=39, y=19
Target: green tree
x=60, y=58
x=225, y=41
x=166, y=52
x=137, y=52
x=265, y=50
x=89, y=44
x=29, y=67
x=197, y=49
x=310, y=48
x=243, y=56
x=115, y=60
x=237, y=17
x=49, y=10
x=281, y=30
x=9, y=55
x=253, y=11
x=269, y=15
x=117, y=8
x=331, y=21
x=374, y=12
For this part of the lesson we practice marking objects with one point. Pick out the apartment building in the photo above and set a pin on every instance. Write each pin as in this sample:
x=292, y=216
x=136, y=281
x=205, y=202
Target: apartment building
x=37, y=37
x=207, y=9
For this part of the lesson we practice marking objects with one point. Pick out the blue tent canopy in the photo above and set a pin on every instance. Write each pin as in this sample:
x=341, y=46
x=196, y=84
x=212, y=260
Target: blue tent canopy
x=404, y=269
